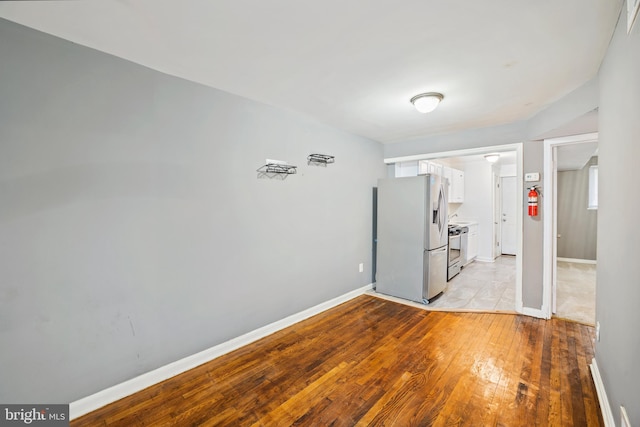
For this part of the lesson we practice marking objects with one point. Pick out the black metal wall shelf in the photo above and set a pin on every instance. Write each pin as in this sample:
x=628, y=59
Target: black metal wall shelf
x=277, y=168
x=320, y=159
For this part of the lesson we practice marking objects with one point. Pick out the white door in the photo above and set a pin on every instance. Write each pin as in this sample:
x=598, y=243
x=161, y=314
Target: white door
x=508, y=215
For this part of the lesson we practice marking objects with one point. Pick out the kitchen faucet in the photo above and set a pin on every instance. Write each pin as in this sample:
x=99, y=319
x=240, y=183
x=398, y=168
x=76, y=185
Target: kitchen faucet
x=452, y=216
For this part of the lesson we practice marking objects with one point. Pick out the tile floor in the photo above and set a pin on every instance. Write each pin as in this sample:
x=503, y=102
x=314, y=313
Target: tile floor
x=487, y=286
x=480, y=286
x=490, y=286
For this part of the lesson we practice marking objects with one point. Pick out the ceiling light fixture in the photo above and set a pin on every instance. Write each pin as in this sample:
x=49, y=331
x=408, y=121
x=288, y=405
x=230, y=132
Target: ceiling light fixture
x=427, y=102
x=492, y=158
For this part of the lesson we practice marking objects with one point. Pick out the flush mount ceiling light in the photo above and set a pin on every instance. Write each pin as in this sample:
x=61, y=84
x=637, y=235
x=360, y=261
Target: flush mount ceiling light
x=492, y=157
x=426, y=102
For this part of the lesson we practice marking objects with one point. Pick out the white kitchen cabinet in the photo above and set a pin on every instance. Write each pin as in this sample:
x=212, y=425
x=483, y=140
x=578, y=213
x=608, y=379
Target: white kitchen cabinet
x=436, y=168
x=456, y=192
x=472, y=242
x=425, y=167
x=456, y=184
x=448, y=173
x=456, y=178
x=406, y=169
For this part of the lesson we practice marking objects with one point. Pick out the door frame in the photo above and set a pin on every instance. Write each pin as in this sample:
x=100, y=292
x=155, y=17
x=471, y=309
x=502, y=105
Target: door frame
x=550, y=213
x=518, y=148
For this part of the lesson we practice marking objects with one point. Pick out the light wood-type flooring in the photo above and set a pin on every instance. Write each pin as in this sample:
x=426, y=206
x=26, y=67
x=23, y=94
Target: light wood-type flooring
x=372, y=361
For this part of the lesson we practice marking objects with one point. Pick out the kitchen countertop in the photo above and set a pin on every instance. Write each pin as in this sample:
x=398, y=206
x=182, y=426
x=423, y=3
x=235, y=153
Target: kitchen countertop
x=463, y=223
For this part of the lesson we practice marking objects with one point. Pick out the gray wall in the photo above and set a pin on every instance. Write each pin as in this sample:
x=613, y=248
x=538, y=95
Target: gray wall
x=532, y=229
x=134, y=230
x=618, y=272
x=576, y=223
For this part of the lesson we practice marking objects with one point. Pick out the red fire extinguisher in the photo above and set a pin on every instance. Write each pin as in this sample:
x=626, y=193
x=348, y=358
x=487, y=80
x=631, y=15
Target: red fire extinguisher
x=533, y=201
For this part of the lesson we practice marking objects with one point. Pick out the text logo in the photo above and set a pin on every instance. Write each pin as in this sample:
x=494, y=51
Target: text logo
x=36, y=415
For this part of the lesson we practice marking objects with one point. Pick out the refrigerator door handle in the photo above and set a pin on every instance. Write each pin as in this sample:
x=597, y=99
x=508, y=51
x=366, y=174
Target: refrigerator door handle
x=439, y=216
x=442, y=210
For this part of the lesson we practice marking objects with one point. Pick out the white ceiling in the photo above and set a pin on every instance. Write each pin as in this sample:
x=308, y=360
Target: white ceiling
x=506, y=158
x=354, y=64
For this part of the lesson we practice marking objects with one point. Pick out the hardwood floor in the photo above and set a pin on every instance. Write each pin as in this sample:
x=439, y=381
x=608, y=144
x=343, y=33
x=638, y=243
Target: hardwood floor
x=376, y=362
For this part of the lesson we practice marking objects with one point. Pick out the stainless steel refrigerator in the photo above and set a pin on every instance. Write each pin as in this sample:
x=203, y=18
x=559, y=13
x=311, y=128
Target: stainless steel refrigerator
x=412, y=237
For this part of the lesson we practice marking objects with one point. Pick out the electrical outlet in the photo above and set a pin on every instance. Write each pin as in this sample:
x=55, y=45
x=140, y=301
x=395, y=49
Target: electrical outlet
x=361, y=267
x=598, y=331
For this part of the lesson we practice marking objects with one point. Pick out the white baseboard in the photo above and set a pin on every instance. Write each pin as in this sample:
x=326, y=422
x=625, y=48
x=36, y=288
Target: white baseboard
x=91, y=403
x=577, y=260
x=607, y=415
x=533, y=312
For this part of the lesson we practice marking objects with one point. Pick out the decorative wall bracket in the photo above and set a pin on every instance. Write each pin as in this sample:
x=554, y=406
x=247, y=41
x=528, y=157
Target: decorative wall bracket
x=320, y=159
x=276, y=170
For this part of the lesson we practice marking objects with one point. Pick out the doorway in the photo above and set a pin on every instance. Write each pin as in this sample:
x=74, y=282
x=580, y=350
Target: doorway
x=508, y=207
x=569, y=242
x=488, y=281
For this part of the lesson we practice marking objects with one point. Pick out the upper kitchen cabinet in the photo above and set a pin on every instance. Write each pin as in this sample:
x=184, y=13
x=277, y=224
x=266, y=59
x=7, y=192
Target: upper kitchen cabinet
x=456, y=189
x=456, y=184
x=423, y=167
x=406, y=169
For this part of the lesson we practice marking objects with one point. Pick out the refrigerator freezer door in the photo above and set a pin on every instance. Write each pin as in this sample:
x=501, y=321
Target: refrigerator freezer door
x=435, y=272
x=437, y=233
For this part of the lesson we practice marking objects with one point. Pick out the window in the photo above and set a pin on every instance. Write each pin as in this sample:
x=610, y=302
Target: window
x=593, y=187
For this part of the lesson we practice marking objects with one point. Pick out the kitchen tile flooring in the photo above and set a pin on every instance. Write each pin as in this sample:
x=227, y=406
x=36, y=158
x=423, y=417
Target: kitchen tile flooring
x=490, y=286
x=480, y=286
x=486, y=286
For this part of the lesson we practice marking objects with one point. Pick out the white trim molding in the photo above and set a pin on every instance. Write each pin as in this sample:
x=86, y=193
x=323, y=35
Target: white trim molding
x=632, y=12
x=454, y=153
x=607, y=415
x=91, y=403
x=484, y=259
x=578, y=260
x=534, y=312
x=550, y=222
